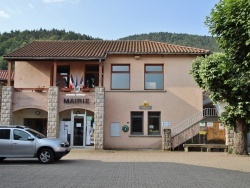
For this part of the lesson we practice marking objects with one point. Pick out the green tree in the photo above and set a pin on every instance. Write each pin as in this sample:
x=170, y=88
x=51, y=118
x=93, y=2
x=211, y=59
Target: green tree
x=227, y=75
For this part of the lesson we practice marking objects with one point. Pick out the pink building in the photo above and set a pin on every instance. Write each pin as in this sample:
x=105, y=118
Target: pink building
x=106, y=94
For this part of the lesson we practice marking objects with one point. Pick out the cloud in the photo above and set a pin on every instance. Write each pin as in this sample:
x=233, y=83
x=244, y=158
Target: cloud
x=3, y=14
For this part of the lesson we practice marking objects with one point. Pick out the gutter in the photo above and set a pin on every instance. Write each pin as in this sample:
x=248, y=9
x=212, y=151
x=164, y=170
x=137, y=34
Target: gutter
x=52, y=58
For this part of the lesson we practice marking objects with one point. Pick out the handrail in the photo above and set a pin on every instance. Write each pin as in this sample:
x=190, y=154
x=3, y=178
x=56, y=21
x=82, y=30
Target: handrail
x=207, y=112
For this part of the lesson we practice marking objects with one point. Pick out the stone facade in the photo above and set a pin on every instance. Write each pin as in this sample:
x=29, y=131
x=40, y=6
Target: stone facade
x=6, y=108
x=53, y=116
x=99, y=118
x=230, y=139
x=166, y=139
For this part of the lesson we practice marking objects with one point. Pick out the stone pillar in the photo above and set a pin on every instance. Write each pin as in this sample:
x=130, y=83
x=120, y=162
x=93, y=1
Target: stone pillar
x=166, y=139
x=99, y=118
x=6, y=107
x=53, y=116
x=230, y=139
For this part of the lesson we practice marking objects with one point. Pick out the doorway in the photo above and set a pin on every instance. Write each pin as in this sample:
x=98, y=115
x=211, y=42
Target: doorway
x=78, y=131
x=38, y=124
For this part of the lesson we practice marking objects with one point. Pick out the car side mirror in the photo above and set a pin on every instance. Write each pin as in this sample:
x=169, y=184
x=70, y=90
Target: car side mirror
x=30, y=138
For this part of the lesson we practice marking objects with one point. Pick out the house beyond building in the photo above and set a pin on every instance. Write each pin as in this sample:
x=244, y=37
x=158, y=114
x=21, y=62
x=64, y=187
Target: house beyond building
x=106, y=94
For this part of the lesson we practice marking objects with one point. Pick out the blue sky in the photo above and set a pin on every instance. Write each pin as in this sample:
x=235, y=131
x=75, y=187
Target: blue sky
x=107, y=19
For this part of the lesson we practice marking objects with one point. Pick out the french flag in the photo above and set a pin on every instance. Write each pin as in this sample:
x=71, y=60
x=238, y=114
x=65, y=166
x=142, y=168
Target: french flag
x=71, y=82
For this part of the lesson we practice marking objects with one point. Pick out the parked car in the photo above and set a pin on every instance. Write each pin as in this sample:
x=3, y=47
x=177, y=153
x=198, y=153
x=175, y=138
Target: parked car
x=23, y=142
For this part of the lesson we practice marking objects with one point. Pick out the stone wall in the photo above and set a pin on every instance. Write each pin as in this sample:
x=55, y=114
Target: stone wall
x=230, y=139
x=6, y=107
x=99, y=118
x=166, y=139
x=53, y=116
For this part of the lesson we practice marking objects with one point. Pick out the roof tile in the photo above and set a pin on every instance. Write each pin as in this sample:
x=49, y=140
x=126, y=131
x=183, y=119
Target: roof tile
x=88, y=49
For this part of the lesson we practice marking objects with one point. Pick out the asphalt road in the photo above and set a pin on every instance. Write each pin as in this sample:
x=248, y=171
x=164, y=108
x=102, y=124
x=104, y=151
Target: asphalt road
x=143, y=168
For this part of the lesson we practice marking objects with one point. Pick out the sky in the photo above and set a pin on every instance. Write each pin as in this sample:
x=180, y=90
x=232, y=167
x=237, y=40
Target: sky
x=107, y=19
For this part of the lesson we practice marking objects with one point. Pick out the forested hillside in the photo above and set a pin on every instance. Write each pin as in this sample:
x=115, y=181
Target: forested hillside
x=16, y=39
x=204, y=42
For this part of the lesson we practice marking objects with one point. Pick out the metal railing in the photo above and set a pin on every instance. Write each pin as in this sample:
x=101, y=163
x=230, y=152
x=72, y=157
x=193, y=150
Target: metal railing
x=207, y=112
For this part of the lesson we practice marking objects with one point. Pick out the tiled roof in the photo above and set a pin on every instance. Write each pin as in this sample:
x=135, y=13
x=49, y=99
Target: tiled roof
x=4, y=75
x=96, y=49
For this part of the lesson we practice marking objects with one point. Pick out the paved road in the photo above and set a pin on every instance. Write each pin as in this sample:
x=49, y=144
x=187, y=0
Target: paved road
x=144, y=168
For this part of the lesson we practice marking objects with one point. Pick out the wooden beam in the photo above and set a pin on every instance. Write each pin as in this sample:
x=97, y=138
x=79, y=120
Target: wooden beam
x=100, y=73
x=9, y=73
x=55, y=73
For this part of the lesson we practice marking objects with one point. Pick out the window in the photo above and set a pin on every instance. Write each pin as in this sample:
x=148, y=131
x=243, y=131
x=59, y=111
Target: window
x=91, y=76
x=153, y=77
x=62, y=79
x=20, y=135
x=5, y=134
x=154, y=119
x=120, y=77
x=137, y=123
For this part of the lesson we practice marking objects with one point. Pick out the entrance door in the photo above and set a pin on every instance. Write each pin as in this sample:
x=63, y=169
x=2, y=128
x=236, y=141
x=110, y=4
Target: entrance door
x=78, y=131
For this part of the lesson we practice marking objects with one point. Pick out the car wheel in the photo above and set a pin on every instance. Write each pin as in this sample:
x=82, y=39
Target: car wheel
x=2, y=158
x=46, y=156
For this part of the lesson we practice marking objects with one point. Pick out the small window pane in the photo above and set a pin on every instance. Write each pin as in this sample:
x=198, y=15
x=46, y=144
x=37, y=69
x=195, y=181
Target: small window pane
x=120, y=68
x=153, y=68
x=5, y=134
x=153, y=81
x=120, y=81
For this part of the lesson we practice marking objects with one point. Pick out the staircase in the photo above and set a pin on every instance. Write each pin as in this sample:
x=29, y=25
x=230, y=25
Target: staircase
x=190, y=127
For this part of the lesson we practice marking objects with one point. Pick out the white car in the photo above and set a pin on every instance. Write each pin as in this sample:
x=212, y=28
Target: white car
x=22, y=142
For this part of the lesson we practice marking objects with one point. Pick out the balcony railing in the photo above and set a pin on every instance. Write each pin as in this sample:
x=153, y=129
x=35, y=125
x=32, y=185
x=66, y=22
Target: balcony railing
x=46, y=90
x=31, y=89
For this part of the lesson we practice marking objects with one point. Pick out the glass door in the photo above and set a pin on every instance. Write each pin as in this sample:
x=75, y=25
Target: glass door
x=78, y=131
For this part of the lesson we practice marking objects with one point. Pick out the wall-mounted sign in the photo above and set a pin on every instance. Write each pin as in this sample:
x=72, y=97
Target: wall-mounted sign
x=125, y=128
x=115, y=129
x=76, y=101
x=145, y=106
x=165, y=124
x=78, y=125
x=202, y=124
x=210, y=124
x=221, y=126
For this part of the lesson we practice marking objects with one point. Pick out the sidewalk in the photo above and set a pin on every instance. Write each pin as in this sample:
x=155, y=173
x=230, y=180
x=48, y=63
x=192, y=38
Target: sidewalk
x=205, y=159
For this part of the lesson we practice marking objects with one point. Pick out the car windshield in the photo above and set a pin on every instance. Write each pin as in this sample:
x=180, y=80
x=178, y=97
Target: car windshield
x=36, y=134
